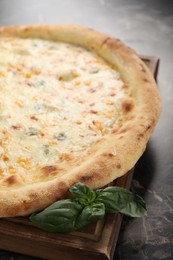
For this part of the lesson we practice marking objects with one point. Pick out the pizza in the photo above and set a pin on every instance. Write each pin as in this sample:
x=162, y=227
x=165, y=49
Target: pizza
x=76, y=106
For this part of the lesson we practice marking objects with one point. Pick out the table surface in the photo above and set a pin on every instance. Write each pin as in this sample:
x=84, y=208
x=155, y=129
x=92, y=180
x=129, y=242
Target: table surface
x=146, y=26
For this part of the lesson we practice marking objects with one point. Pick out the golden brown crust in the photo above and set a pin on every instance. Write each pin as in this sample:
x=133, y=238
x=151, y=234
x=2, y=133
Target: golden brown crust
x=115, y=154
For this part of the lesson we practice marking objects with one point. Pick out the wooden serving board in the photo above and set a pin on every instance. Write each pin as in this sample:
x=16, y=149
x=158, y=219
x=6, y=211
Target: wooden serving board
x=96, y=241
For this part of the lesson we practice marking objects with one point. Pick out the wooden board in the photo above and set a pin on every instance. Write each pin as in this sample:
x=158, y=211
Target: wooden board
x=96, y=241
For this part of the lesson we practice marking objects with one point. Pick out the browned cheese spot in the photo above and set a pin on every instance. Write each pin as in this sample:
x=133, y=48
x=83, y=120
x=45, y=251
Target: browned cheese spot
x=127, y=105
x=109, y=154
x=26, y=29
x=148, y=127
x=86, y=178
x=146, y=80
x=11, y=180
x=140, y=136
x=63, y=191
x=50, y=169
x=118, y=166
x=125, y=86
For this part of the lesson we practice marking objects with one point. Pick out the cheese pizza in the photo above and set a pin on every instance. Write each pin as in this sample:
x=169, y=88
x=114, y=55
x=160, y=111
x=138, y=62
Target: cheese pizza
x=76, y=106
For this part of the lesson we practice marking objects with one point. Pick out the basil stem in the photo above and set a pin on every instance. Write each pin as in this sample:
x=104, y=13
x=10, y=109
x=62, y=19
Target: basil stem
x=94, y=211
x=83, y=193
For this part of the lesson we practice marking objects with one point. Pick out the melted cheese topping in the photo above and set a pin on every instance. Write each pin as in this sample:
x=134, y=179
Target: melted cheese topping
x=57, y=100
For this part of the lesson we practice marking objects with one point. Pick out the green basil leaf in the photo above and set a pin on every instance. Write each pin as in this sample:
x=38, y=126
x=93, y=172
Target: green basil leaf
x=117, y=199
x=59, y=217
x=83, y=193
x=88, y=205
x=93, y=212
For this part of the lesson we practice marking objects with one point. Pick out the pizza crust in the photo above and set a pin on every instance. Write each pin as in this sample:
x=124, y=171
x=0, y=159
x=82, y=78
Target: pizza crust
x=111, y=157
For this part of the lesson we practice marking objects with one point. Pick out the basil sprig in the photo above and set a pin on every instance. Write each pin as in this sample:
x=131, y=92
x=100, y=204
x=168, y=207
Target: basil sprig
x=87, y=205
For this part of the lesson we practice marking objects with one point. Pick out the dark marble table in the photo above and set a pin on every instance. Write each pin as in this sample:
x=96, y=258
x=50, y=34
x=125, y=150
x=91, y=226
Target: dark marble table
x=146, y=26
